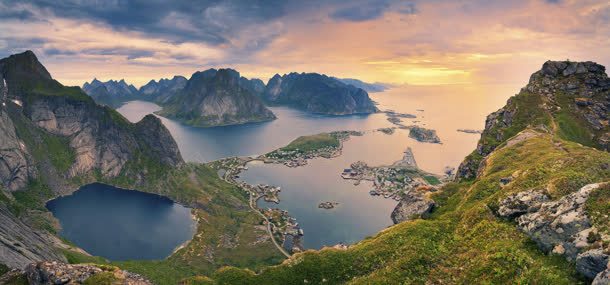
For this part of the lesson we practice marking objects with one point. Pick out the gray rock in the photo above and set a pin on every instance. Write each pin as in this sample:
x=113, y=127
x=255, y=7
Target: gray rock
x=15, y=168
x=317, y=93
x=592, y=262
x=412, y=205
x=52, y=273
x=217, y=98
x=571, y=69
x=423, y=134
x=603, y=278
x=20, y=244
x=521, y=203
x=560, y=222
x=163, y=90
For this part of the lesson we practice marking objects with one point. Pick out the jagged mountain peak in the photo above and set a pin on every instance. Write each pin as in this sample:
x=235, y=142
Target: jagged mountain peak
x=569, y=99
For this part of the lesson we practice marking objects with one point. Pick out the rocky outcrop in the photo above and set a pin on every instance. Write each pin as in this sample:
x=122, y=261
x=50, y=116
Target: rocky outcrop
x=317, y=93
x=52, y=273
x=163, y=90
x=576, y=92
x=158, y=140
x=412, y=205
x=522, y=203
x=216, y=98
x=15, y=161
x=111, y=93
x=603, y=278
x=423, y=135
x=592, y=262
x=20, y=244
x=562, y=227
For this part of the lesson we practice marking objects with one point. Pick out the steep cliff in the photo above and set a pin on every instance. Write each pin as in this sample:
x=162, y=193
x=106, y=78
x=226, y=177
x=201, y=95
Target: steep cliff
x=317, y=93
x=111, y=93
x=569, y=98
x=216, y=98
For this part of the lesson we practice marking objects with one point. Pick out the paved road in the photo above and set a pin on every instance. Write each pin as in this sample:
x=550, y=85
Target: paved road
x=251, y=204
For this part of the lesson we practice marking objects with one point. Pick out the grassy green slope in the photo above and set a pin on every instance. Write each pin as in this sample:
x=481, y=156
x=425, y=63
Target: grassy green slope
x=463, y=242
x=312, y=143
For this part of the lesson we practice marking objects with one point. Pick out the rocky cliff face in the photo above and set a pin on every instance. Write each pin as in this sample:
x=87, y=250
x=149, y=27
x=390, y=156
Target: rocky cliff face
x=20, y=244
x=317, y=93
x=100, y=137
x=215, y=98
x=572, y=99
x=163, y=90
x=254, y=85
x=15, y=161
x=111, y=93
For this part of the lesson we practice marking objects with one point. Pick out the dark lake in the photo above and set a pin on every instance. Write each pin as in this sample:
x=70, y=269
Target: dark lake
x=122, y=224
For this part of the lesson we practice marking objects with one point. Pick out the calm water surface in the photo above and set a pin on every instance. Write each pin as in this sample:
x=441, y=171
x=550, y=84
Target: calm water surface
x=121, y=224
x=443, y=108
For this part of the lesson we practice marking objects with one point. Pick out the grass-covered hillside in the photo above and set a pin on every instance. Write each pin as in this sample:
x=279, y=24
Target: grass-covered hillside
x=312, y=143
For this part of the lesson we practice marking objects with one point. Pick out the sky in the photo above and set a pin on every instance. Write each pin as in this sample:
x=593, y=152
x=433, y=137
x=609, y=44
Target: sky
x=425, y=43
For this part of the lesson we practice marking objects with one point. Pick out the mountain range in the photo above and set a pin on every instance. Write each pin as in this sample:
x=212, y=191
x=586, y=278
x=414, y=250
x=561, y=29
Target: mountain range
x=111, y=93
x=317, y=93
x=368, y=87
x=161, y=91
x=211, y=99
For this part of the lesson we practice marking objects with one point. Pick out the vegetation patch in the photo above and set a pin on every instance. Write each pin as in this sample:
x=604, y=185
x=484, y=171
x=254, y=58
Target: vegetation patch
x=598, y=208
x=311, y=143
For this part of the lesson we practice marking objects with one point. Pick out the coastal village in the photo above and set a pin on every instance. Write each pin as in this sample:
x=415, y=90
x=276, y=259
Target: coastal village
x=394, y=180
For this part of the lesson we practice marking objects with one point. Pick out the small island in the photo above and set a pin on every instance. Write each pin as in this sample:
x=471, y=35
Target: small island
x=423, y=134
x=469, y=131
x=299, y=151
x=327, y=205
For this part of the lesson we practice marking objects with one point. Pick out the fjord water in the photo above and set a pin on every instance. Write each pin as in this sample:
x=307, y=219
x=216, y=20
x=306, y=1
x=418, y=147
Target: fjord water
x=120, y=224
x=443, y=108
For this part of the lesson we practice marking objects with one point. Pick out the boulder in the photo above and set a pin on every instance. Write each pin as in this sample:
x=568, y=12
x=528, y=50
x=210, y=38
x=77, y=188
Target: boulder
x=521, y=203
x=603, y=278
x=592, y=262
x=413, y=205
x=562, y=222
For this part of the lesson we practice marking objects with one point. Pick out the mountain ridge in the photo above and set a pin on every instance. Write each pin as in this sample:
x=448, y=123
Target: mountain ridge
x=216, y=98
x=317, y=93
